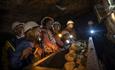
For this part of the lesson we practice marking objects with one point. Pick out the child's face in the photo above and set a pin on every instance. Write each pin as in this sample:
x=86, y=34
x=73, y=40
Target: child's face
x=19, y=30
x=70, y=25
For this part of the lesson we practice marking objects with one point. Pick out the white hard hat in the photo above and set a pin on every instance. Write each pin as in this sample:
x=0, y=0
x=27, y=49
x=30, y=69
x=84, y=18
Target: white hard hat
x=30, y=25
x=16, y=24
x=44, y=20
x=56, y=23
x=70, y=22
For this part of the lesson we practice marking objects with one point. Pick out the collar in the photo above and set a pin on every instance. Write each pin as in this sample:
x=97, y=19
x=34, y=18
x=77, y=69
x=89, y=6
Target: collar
x=18, y=37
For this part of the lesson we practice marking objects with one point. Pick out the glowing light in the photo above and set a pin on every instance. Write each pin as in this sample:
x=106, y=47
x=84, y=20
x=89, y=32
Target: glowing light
x=39, y=39
x=92, y=31
x=67, y=41
x=60, y=35
x=71, y=36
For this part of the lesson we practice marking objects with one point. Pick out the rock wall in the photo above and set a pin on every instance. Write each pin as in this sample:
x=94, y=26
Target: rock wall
x=25, y=10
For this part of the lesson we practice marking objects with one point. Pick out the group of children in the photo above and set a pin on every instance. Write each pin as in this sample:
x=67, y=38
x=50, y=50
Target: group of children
x=33, y=42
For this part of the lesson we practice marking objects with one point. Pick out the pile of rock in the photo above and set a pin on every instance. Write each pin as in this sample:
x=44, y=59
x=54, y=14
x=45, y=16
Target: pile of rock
x=76, y=57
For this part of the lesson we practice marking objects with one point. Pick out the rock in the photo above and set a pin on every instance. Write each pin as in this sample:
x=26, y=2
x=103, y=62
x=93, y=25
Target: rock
x=73, y=47
x=69, y=65
x=70, y=56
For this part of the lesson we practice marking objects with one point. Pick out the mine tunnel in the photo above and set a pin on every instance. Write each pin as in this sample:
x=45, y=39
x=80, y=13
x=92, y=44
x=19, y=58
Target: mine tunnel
x=57, y=34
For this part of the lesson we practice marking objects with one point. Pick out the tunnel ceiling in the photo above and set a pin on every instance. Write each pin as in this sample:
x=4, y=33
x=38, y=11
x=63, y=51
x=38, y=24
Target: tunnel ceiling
x=24, y=10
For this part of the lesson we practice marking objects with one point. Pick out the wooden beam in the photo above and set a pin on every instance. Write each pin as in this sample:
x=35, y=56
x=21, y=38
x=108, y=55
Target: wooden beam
x=45, y=58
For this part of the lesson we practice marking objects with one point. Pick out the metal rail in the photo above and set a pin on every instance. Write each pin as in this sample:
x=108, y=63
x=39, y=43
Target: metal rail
x=92, y=60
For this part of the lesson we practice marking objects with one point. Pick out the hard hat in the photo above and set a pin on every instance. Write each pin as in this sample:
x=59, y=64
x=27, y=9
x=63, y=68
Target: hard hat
x=90, y=22
x=16, y=24
x=56, y=23
x=30, y=25
x=45, y=20
x=70, y=22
